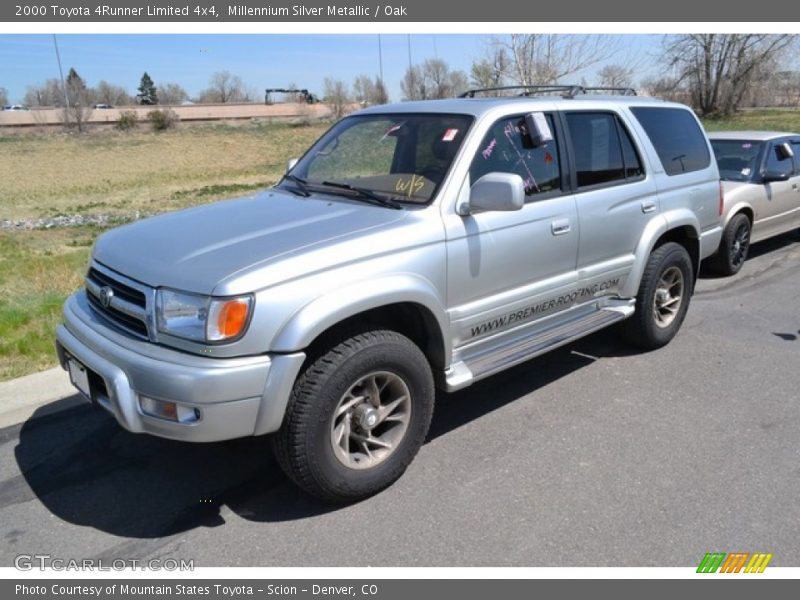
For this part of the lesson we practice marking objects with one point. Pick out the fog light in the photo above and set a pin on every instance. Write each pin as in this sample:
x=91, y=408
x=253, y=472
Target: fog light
x=170, y=411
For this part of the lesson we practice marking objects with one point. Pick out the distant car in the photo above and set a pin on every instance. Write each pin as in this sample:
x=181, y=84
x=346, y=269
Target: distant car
x=14, y=107
x=760, y=173
x=102, y=105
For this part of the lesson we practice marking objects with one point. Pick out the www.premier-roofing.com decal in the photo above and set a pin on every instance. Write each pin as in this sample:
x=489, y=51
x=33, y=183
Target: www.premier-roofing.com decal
x=542, y=307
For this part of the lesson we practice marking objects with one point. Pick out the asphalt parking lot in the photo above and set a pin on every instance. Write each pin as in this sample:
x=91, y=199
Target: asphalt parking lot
x=590, y=456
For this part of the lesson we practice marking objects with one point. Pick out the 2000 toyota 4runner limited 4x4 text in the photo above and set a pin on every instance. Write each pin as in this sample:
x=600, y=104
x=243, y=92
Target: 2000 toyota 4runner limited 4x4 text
x=414, y=245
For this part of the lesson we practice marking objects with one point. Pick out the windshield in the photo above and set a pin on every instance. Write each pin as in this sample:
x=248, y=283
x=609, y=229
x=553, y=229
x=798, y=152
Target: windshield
x=737, y=159
x=402, y=157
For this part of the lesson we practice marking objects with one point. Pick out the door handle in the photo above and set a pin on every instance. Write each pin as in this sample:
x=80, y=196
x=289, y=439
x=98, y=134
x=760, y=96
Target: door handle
x=560, y=227
x=648, y=206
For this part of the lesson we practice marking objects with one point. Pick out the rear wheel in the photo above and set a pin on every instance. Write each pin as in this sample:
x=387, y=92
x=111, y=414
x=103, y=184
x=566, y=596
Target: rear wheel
x=663, y=297
x=734, y=246
x=357, y=416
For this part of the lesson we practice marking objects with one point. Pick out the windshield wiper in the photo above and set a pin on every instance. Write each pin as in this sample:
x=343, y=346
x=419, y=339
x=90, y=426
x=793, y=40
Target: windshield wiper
x=302, y=185
x=365, y=194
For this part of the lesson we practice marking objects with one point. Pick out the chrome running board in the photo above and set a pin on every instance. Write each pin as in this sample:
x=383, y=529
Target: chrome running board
x=513, y=349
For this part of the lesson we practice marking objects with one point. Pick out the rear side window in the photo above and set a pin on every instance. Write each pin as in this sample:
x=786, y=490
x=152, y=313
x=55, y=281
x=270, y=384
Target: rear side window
x=602, y=149
x=796, y=148
x=677, y=138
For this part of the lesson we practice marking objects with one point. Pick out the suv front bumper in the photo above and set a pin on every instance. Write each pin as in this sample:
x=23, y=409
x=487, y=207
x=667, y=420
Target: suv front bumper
x=231, y=397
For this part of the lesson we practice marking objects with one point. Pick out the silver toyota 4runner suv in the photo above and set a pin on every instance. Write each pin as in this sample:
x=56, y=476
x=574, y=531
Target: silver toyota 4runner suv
x=414, y=245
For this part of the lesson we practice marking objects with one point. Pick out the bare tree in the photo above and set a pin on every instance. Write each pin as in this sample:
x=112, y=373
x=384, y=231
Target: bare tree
x=668, y=88
x=381, y=94
x=368, y=91
x=50, y=93
x=3, y=96
x=249, y=94
x=437, y=74
x=719, y=69
x=413, y=84
x=490, y=71
x=363, y=89
x=109, y=93
x=172, y=93
x=616, y=76
x=440, y=81
x=545, y=59
x=337, y=97
x=432, y=80
x=457, y=83
x=763, y=87
x=787, y=88
x=224, y=87
x=79, y=108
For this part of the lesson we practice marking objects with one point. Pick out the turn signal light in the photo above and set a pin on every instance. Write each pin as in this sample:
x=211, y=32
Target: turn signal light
x=227, y=319
x=232, y=318
x=168, y=410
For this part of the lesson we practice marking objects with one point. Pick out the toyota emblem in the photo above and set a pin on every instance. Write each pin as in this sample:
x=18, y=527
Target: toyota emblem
x=106, y=294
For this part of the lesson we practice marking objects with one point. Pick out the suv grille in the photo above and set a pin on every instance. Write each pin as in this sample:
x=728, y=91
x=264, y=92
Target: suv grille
x=117, y=302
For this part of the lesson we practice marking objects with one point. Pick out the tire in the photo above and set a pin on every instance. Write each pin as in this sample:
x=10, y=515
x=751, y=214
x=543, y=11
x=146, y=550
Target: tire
x=320, y=445
x=658, y=317
x=734, y=246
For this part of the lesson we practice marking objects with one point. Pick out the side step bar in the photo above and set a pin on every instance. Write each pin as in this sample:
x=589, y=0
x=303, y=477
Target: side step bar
x=525, y=346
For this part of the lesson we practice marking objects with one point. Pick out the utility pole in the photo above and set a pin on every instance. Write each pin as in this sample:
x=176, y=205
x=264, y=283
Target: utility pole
x=380, y=57
x=61, y=74
x=409, y=51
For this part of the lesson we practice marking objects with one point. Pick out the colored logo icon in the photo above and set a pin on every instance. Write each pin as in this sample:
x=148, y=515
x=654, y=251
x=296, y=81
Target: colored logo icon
x=735, y=562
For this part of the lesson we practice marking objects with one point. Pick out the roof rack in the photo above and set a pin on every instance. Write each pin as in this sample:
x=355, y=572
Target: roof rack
x=527, y=90
x=565, y=91
x=620, y=91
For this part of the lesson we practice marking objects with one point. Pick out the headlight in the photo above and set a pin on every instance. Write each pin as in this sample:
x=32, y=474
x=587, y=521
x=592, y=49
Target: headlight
x=202, y=318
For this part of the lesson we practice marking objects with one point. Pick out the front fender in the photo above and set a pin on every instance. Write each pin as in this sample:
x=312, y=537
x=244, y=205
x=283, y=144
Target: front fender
x=679, y=218
x=322, y=313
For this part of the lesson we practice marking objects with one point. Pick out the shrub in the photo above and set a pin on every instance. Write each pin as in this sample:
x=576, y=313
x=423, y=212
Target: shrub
x=163, y=119
x=127, y=120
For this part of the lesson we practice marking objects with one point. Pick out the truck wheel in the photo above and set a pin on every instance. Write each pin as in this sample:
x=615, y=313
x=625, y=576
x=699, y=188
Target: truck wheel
x=734, y=246
x=663, y=297
x=356, y=417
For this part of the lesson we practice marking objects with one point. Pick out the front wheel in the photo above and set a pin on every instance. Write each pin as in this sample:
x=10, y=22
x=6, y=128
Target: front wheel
x=663, y=297
x=357, y=416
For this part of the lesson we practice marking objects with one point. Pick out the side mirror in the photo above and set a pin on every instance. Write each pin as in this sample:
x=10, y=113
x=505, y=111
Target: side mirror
x=290, y=165
x=497, y=191
x=785, y=150
x=771, y=176
x=538, y=129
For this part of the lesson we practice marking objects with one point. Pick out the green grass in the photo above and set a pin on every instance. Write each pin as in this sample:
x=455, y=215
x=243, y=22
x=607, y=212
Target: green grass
x=38, y=270
x=109, y=171
x=757, y=120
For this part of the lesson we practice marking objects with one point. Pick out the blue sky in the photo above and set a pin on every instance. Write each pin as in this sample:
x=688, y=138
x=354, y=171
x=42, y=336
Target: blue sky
x=262, y=61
